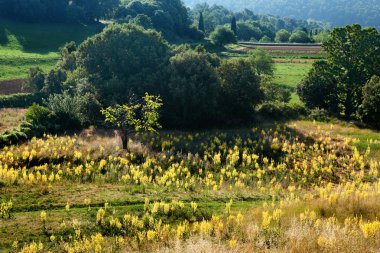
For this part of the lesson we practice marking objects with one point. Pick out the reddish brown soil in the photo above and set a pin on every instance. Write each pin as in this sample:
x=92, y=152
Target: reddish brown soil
x=11, y=87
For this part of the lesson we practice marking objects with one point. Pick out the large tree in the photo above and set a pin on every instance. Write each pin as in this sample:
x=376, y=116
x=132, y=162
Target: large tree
x=192, y=90
x=353, y=57
x=123, y=59
x=240, y=89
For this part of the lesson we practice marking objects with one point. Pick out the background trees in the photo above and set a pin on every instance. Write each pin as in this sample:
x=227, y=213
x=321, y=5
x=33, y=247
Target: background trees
x=336, y=12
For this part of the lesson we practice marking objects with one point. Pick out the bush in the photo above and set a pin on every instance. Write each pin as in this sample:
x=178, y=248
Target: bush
x=40, y=119
x=262, y=62
x=319, y=115
x=72, y=112
x=281, y=111
x=370, y=108
x=275, y=92
x=20, y=100
x=222, y=36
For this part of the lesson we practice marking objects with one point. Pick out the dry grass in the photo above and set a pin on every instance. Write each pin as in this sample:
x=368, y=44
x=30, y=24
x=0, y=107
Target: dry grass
x=10, y=118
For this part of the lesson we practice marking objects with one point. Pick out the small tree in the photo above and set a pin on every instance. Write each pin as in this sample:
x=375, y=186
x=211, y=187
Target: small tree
x=136, y=116
x=282, y=36
x=222, y=36
x=201, y=23
x=233, y=25
x=261, y=62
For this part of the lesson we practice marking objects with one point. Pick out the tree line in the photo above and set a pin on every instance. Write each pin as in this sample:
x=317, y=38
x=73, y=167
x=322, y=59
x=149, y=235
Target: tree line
x=335, y=12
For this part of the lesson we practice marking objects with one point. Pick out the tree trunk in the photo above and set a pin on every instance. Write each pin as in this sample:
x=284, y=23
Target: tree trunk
x=124, y=136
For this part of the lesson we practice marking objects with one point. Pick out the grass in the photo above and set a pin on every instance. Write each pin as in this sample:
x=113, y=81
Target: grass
x=291, y=74
x=364, y=138
x=24, y=45
x=10, y=118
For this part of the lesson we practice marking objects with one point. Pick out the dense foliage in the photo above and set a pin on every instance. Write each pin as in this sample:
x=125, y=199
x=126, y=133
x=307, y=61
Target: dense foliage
x=251, y=26
x=337, y=83
x=336, y=12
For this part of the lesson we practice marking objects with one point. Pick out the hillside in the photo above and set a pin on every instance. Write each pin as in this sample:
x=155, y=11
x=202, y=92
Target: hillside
x=24, y=45
x=336, y=12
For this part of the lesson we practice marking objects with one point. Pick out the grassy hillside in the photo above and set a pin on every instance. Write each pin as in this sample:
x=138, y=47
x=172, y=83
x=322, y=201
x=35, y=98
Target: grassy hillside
x=24, y=45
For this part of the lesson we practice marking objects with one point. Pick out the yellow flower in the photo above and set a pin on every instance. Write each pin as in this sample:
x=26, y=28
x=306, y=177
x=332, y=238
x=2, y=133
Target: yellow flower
x=232, y=243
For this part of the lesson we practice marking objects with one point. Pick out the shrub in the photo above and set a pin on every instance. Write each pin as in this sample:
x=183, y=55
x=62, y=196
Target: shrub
x=40, y=119
x=73, y=112
x=281, y=111
x=20, y=100
x=319, y=115
x=275, y=92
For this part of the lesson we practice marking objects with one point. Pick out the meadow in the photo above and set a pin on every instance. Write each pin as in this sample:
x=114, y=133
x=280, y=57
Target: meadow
x=279, y=188
x=23, y=46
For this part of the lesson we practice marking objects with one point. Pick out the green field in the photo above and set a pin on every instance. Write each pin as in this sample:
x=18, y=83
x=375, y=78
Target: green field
x=24, y=45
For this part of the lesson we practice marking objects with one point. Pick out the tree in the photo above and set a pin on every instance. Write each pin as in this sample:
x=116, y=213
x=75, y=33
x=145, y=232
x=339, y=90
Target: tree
x=356, y=52
x=142, y=20
x=321, y=89
x=192, y=90
x=54, y=81
x=299, y=36
x=234, y=26
x=248, y=31
x=282, y=36
x=123, y=59
x=240, y=89
x=222, y=36
x=265, y=39
x=134, y=117
x=261, y=62
x=201, y=23
x=370, y=110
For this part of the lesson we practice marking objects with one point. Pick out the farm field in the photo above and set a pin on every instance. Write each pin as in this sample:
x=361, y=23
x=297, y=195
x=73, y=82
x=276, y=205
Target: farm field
x=10, y=118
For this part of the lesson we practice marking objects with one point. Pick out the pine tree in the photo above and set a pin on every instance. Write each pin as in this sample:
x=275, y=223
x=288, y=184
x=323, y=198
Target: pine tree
x=201, y=23
x=234, y=26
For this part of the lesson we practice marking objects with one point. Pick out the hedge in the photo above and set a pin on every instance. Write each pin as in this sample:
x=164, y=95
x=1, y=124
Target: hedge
x=20, y=100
